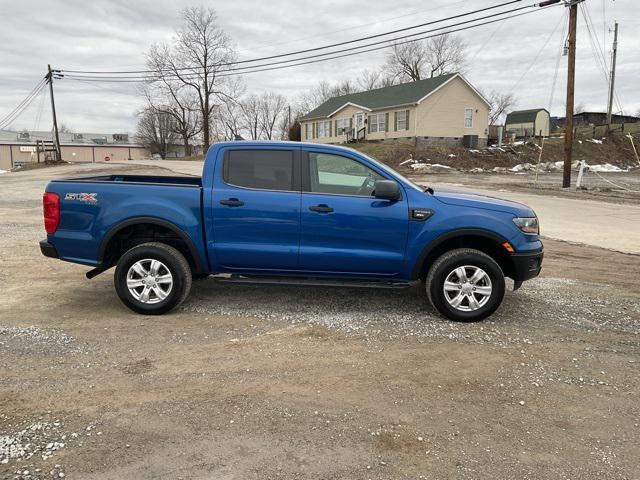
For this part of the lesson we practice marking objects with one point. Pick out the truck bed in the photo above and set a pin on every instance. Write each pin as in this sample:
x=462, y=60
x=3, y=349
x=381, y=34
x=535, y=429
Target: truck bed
x=185, y=181
x=91, y=207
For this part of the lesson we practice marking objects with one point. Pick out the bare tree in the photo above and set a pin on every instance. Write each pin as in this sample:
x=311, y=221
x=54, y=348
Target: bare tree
x=64, y=128
x=251, y=116
x=445, y=54
x=156, y=131
x=315, y=96
x=272, y=108
x=407, y=61
x=426, y=59
x=344, y=87
x=499, y=105
x=579, y=108
x=201, y=50
x=228, y=121
x=369, y=79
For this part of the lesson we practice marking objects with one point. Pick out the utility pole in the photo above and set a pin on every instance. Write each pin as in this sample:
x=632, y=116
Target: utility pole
x=571, y=81
x=613, y=75
x=53, y=112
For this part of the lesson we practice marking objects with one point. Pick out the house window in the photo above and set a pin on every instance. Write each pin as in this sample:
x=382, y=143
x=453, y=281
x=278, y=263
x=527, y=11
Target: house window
x=343, y=126
x=376, y=122
x=401, y=119
x=324, y=129
x=307, y=131
x=468, y=118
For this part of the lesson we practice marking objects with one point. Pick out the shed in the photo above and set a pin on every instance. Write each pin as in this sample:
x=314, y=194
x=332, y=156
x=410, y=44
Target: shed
x=528, y=123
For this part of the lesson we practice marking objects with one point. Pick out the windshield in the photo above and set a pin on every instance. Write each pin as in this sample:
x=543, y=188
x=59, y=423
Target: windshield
x=388, y=169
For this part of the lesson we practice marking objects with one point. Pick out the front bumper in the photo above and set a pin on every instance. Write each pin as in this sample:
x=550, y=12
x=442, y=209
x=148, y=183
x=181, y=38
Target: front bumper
x=526, y=265
x=48, y=250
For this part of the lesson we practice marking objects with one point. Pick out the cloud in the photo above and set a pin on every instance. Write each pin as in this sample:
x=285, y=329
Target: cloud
x=115, y=34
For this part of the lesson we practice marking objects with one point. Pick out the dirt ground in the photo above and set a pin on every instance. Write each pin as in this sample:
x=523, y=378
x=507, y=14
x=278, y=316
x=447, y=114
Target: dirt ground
x=257, y=382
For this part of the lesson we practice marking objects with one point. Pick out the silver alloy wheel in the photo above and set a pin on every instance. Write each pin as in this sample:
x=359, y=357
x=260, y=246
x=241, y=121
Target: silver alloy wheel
x=467, y=288
x=149, y=281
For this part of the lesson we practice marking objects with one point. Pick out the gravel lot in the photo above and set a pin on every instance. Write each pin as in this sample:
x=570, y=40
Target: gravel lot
x=247, y=382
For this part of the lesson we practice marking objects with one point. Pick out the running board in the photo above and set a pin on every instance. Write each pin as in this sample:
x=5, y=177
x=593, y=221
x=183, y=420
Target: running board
x=309, y=282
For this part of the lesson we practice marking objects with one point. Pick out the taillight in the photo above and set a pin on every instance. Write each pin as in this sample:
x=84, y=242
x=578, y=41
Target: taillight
x=51, y=207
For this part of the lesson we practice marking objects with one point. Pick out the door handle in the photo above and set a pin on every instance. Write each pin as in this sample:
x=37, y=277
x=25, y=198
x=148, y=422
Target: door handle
x=232, y=202
x=322, y=208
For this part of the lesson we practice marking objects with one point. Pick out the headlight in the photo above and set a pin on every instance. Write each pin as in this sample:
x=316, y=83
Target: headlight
x=527, y=225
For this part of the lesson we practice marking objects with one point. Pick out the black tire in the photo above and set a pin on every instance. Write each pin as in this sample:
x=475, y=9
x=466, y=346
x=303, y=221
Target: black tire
x=445, y=265
x=172, y=260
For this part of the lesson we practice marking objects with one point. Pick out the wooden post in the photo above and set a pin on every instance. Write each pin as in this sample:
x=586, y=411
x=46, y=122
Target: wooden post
x=53, y=112
x=613, y=75
x=571, y=81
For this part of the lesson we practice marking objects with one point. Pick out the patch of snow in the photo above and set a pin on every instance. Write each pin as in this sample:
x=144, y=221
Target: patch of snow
x=521, y=167
x=474, y=151
x=451, y=155
x=411, y=160
x=594, y=140
x=431, y=168
x=606, y=168
x=3, y=171
x=517, y=144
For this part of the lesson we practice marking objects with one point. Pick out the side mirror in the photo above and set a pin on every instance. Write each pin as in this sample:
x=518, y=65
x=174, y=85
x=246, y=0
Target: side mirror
x=387, y=189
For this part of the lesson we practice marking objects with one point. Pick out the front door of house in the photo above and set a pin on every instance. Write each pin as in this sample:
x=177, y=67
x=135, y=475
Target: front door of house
x=359, y=121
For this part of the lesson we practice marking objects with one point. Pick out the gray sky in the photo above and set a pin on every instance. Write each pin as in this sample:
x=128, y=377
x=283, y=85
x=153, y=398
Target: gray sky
x=116, y=34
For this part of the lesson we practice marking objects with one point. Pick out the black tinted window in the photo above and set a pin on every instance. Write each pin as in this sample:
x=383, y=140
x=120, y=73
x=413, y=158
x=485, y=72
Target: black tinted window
x=264, y=169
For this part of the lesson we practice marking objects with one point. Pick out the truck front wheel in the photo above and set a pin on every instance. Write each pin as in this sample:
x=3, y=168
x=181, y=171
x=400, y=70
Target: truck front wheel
x=152, y=278
x=465, y=285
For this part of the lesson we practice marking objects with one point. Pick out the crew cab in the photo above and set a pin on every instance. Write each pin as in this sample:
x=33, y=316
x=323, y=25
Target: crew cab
x=288, y=212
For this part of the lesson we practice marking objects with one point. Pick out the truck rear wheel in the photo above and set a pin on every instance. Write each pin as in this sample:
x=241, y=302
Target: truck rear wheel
x=465, y=285
x=152, y=278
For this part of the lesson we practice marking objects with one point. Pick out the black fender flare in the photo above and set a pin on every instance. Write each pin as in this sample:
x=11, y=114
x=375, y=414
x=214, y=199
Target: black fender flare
x=153, y=221
x=463, y=232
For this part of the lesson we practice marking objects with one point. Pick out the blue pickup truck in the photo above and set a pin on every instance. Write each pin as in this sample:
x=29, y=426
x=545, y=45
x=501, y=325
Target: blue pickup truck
x=285, y=212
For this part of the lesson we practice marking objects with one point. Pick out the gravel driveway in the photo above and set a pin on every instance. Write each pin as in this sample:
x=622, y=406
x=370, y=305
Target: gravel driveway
x=255, y=382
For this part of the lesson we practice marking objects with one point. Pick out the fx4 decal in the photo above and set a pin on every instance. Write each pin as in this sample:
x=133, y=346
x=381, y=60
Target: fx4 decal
x=82, y=197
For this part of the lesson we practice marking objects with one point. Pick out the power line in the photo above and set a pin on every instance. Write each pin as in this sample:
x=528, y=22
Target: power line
x=270, y=68
x=535, y=59
x=15, y=113
x=315, y=49
x=355, y=27
x=597, y=50
x=563, y=39
x=192, y=75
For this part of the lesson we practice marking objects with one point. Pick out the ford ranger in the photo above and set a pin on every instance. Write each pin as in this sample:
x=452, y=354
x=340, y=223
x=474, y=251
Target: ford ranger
x=284, y=212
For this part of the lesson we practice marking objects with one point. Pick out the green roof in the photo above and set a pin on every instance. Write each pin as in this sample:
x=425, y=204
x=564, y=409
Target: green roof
x=403, y=94
x=524, y=116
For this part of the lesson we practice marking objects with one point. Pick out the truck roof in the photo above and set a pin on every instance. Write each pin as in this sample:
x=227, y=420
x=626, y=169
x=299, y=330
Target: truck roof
x=283, y=143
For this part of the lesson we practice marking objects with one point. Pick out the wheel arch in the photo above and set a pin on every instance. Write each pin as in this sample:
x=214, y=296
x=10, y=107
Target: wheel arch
x=485, y=241
x=192, y=252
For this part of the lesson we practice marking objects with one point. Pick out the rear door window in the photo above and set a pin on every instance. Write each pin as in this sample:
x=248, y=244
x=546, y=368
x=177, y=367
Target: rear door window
x=260, y=169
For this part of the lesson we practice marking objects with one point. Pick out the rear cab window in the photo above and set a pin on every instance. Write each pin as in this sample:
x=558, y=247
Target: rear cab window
x=261, y=169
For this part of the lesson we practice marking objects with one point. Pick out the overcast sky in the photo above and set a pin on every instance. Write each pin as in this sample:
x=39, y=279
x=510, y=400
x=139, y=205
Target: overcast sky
x=509, y=56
